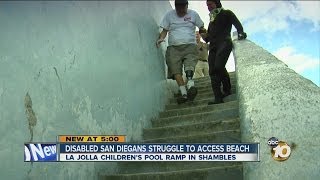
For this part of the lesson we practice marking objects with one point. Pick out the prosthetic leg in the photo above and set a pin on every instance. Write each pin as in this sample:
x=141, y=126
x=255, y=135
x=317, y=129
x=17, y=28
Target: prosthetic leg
x=192, y=90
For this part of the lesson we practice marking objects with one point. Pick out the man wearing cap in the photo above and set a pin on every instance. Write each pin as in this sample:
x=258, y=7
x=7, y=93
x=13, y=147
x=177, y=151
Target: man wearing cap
x=181, y=24
x=218, y=35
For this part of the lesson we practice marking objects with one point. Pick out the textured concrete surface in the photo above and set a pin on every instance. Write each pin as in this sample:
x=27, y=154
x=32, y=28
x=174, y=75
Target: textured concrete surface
x=76, y=67
x=277, y=102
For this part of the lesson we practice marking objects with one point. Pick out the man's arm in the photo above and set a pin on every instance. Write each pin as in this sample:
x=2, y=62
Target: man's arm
x=200, y=24
x=165, y=25
x=237, y=24
x=205, y=35
x=161, y=38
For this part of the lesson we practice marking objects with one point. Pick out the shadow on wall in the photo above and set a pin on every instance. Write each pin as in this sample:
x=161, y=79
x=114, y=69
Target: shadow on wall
x=87, y=68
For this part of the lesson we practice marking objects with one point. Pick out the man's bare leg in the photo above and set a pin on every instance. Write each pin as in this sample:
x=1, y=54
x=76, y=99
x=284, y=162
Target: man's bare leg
x=179, y=79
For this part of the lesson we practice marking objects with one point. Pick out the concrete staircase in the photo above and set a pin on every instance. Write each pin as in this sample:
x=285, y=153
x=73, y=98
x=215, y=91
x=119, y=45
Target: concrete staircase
x=193, y=122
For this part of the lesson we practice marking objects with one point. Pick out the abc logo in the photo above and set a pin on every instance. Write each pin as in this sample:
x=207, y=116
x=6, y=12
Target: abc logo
x=280, y=150
x=273, y=142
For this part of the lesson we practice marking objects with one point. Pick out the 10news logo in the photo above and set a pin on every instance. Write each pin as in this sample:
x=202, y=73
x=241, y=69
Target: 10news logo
x=280, y=150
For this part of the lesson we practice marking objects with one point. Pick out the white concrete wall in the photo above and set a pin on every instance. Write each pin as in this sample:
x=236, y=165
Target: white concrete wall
x=88, y=67
x=277, y=102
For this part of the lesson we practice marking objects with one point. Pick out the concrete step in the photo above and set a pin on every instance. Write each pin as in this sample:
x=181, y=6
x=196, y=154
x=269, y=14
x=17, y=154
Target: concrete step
x=232, y=75
x=197, y=109
x=208, y=83
x=207, y=88
x=210, y=93
x=207, y=79
x=199, y=102
x=149, y=166
x=200, y=96
x=225, y=172
x=227, y=136
x=213, y=115
x=191, y=129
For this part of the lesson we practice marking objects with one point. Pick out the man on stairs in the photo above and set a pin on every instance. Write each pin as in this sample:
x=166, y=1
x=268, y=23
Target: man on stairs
x=218, y=35
x=182, y=49
x=202, y=67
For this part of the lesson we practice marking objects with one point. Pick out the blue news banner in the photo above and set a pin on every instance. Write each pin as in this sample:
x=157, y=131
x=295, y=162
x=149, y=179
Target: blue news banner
x=40, y=152
x=158, y=152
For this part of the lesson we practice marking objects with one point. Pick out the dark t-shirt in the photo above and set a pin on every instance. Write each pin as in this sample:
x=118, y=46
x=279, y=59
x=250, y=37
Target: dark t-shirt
x=219, y=30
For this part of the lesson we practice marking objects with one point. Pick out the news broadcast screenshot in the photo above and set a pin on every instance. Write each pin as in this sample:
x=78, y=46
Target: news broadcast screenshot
x=160, y=90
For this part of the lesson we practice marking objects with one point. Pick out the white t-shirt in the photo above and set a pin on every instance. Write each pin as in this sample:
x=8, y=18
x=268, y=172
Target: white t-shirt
x=181, y=29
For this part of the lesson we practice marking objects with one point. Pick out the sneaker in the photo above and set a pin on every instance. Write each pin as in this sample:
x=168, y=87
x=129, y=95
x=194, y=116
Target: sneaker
x=182, y=99
x=216, y=101
x=192, y=93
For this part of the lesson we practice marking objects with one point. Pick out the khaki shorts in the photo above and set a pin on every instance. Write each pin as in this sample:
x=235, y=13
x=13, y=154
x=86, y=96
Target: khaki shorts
x=177, y=56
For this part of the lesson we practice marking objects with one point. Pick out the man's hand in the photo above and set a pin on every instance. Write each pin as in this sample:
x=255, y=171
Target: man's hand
x=202, y=30
x=242, y=36
x=204, y=35
x=159, y=41
x=162, y=36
